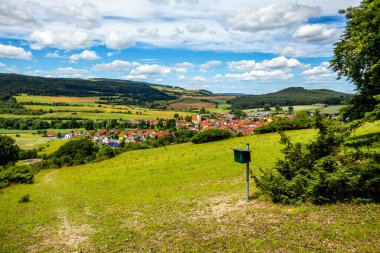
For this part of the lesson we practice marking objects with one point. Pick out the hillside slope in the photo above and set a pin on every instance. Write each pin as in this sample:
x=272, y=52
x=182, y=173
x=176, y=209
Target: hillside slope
x=33, y=85
x=290, y=96
x=177, y=198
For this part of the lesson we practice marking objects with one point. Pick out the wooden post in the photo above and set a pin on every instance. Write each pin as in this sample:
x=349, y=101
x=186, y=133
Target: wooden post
x=247, y=180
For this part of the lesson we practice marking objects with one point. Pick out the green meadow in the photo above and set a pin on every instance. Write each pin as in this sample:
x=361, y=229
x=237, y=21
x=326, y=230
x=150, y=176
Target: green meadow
x=178, y=198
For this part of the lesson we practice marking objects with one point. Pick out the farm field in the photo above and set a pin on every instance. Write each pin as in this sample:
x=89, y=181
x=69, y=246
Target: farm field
x=57, y=99
x=183, y=197
x=210, y=103
x=29, y=141
x=331, y=109
x=93, y=115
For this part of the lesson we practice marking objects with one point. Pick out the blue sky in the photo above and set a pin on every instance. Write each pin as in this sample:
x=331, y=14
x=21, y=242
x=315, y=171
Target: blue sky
x=219, y=45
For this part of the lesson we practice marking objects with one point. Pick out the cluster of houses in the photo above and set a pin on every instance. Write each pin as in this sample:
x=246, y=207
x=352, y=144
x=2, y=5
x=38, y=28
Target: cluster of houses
x=114, y=137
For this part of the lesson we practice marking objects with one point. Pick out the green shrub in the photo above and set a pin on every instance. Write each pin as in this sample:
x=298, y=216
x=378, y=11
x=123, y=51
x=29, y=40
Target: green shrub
x=75, y=152
x=24, y=199
x=211, y=135
x=105, y=152
x=323, y=171
x=8, y=150
x=15, y=175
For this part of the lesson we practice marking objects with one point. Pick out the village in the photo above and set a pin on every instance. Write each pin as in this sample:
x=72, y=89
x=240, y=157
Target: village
x=114, y=137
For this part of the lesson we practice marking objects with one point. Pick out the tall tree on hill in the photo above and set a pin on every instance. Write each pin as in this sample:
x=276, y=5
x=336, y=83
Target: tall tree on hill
x=357, y=56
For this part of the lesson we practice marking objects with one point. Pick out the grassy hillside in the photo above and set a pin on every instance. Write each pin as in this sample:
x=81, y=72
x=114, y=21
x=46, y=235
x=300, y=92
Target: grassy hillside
x=177, y=198
x=291, y=96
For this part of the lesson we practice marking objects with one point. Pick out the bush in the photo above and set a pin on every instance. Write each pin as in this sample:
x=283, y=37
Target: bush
x=27, y=154
x=211, y=135
x=8, y=150
x=323, y=171
x=75, y=152
x=15, y=175
x=105, y=152
x=24, y=199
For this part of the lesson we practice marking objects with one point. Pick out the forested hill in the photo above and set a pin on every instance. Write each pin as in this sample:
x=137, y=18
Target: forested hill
x=15, y=84
x=290, y=96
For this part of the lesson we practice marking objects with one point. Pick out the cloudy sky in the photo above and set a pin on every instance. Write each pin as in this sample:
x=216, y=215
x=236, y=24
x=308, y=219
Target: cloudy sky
x=250, y=46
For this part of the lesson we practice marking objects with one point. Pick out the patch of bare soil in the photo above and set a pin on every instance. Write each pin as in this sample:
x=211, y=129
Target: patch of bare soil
x=67, y=238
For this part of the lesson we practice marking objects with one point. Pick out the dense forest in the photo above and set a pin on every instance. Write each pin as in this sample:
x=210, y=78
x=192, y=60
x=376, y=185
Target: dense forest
x=290, y=96
x=134, y=92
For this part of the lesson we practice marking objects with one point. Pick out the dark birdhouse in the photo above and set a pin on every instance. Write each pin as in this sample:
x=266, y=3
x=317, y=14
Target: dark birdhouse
x=242, y=156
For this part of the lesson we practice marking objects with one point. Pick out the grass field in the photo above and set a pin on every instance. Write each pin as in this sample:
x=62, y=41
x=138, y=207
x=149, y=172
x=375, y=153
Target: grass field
x=52, y=146
x=179, y=198
x=28, y=140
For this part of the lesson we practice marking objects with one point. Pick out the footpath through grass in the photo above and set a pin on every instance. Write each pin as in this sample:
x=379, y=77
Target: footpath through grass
x=183, y=197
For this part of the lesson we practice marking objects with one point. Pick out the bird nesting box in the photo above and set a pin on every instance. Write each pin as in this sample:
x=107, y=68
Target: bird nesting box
x=242, y=156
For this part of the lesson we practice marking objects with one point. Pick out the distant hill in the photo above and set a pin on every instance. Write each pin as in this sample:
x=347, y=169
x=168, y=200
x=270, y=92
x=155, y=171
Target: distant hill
x=134, y=92
x=232, y=94
x=291, y=96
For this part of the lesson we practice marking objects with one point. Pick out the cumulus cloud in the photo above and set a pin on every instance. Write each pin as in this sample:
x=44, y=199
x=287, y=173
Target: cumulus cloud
x=181, y=77
x=205, y=66
x=199, y=79
x=61, y=40
x=119, y=40
x=261, y=74
x=14, y=52
x=292, y=52
x=151, y=70
x=134, y=77
x=196, y=28
x=319, y=74
x=6, y=68
x=85, y=55
x=85, y=15
x=65, y=72
x=275, y=63
x=54, y=54
x=183, y=67
x=116, y=65
x=16, y=13
x=271, y=17
x=316, y=33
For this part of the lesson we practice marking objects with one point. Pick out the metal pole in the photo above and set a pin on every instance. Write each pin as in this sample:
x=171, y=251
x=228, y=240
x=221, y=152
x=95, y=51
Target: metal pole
x=247, y=179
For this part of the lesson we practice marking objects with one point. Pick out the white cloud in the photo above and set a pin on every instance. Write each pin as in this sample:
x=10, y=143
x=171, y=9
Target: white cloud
x=13, y=13
x=6, y=68
x=181, y=77
x=151, y=70
x=116, y=65
x=183, y=67
x=109, y=54
x=280, y=62
x=85, y=55
x=199, y=79
x=261, y=74
x=61, y=40
x=55, y=54
x=319, y=74
x=292, y=52
x=271, y=17
x=195, y=27
x=134, y=77
x=85, y=15
x=205, y=66
x=119, y=40
x=65, y=72
x=14, y=52
x=315, y=33
x=158, y=80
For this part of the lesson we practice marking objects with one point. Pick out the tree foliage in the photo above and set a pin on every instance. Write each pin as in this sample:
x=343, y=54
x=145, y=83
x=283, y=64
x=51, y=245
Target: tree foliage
x=211, y=135
x=9, y=151
x=324, y=171
x=357, y=56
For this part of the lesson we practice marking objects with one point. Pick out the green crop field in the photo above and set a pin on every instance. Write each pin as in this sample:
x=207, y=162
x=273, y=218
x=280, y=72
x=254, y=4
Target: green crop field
x=178, y=198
